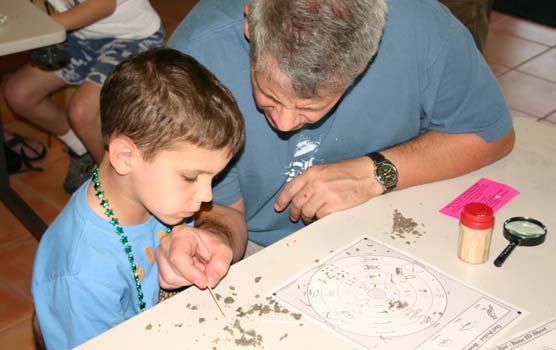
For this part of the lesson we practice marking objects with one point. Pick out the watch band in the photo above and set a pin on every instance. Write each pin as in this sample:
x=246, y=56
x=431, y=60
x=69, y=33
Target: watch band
x=376, y=157
x=380, y=161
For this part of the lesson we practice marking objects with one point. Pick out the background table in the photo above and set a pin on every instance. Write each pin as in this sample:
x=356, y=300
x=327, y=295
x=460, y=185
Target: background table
x=27, y=27
x=190, y=320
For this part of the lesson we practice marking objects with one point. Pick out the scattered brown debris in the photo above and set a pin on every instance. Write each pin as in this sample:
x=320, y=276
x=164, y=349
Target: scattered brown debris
x=398, y=304
x=402, y=227
x=243, y=337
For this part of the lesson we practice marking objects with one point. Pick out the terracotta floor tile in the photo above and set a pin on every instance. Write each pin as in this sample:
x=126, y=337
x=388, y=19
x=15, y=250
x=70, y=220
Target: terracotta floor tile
x=19, y=336
x=519, y=114
x=170, y=27
x=45, y=186
x=13, y=307
x=509, y=50
x=543, y=66
x=173, y=10
x=10, y=228
x=17, y=264
x=42, y=207
x=527, y=30
x=551, y=119
x=498, y=69
x=529, y=94
x=496, y=17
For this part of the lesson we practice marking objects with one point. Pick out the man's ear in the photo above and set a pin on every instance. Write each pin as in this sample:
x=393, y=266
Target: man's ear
x=246, y=23
x=121, y=152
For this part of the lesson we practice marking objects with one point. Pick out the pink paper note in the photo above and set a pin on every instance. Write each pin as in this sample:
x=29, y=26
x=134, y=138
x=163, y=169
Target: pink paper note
x=486, y=191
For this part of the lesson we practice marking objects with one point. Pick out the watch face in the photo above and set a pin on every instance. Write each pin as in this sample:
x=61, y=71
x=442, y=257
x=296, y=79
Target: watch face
x=387, y=174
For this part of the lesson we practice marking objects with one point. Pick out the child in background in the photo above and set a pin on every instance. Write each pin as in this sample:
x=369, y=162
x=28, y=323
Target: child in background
x=169, y=127
x=101, y=33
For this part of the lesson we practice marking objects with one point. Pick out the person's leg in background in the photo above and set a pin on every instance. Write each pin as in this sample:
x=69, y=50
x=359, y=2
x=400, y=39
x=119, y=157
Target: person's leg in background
x=84, y=106
x=28, y=91
x=84, y=118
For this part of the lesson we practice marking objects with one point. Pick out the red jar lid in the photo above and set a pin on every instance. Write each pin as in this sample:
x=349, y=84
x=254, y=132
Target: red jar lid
x=477, y=216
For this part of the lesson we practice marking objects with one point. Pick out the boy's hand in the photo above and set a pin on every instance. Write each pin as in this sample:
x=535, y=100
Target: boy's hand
x=192, y=256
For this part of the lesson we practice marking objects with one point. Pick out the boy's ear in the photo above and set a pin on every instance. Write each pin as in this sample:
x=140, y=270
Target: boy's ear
x=246, y=23
x=121, y=152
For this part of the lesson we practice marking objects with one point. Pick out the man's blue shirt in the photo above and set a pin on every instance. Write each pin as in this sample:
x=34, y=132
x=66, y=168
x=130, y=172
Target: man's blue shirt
x=427, y=75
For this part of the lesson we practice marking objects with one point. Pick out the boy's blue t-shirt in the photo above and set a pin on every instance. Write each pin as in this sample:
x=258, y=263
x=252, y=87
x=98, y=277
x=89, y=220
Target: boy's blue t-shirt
x=427, y=75
x=82, y=281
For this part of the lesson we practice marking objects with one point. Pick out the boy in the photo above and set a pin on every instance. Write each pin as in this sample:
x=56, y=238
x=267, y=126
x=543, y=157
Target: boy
x=101, y=33
x=169, y=127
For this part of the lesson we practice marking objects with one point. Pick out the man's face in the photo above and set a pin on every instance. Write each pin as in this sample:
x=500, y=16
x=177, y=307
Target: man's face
x=282, y=109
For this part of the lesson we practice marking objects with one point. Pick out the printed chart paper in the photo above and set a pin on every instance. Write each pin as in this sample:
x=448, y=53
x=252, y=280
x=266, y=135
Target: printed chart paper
x=379, y=298
x=539, y=338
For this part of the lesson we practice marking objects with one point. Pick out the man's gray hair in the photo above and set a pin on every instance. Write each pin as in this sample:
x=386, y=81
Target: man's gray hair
x=318, y=45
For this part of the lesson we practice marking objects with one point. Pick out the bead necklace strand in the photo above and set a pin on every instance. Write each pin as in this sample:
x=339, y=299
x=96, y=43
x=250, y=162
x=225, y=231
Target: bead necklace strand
x=120, y=232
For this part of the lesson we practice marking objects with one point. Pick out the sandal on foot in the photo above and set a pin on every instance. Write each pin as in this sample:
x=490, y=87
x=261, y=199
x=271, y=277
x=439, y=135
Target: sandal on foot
x=23, y=147
x=17, y=163
x=13, y=160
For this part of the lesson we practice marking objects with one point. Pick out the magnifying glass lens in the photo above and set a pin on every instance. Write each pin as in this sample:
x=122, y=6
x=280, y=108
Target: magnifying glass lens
x=521, y=230
x=525, y=229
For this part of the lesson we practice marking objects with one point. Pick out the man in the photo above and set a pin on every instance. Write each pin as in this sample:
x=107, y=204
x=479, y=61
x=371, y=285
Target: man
x=343, y=101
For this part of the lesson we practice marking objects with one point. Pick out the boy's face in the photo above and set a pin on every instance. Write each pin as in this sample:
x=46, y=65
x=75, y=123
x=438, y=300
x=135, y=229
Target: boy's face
x=175, y=182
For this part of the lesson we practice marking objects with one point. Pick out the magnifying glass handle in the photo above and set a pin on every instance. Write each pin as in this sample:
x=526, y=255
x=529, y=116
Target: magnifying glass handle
x=502, y=257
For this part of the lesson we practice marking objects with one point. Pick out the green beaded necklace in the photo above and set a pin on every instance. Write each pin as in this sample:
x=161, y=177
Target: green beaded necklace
x=120, y=232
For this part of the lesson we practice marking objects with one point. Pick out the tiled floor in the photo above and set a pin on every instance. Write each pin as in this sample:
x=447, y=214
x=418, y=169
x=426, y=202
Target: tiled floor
x=522, y=55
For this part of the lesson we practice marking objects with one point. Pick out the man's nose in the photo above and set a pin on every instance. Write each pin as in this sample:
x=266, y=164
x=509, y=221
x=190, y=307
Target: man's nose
x=286, y=119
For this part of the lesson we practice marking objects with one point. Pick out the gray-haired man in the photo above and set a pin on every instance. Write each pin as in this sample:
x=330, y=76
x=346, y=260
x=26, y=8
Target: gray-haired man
x=343, y=101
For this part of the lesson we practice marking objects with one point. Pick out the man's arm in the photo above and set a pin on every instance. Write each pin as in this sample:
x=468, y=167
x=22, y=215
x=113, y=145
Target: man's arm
x=202, y=255
x=436, y=156
x=432, y=156
x=227, y=221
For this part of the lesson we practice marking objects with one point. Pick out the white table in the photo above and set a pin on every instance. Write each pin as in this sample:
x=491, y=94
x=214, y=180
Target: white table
x=25, y=28
x=527, y=280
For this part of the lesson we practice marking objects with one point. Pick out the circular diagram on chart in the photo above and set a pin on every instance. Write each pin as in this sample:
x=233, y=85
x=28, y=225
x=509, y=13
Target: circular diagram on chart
x=376, y=296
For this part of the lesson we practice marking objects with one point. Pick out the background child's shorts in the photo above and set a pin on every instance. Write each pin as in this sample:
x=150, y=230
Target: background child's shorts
x=93, y=59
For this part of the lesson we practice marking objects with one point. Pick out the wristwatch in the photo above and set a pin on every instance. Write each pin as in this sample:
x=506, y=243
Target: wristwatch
x=386, y=172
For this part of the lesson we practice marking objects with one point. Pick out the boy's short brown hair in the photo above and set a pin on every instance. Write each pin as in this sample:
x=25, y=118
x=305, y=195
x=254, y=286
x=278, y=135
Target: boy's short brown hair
x=162, y=96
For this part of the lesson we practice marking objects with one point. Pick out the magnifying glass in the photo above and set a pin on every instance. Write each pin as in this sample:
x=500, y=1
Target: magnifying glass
x=521, y=230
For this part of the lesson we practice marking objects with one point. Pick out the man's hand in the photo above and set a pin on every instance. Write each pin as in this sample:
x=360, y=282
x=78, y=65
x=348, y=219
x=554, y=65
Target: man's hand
x=202, y=255
x=324, y=189
x=192, y=256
